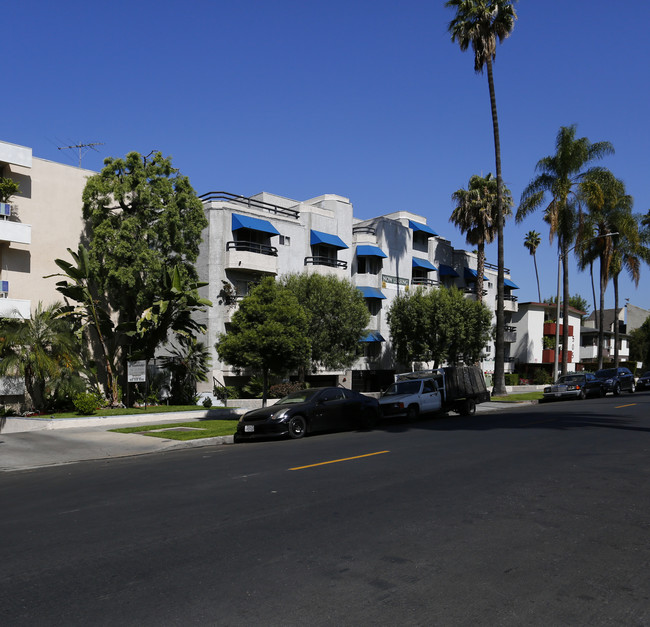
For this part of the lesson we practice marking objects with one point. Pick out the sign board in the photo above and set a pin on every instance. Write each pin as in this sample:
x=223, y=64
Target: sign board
x=137, y=371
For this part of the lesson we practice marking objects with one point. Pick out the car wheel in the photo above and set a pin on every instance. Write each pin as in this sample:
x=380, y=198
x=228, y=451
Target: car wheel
x=617, y=389
x=297, y=427
x=412, y=413
x=468, y=408
x=582, y=394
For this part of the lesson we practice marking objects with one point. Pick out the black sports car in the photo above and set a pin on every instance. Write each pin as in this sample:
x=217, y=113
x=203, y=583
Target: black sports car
x=307, y=411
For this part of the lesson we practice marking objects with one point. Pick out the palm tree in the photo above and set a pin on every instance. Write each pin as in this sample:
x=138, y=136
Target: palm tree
x=531, y=242
x=476, y=217
x=40, y=349
x=480, y=23
x=560, y=176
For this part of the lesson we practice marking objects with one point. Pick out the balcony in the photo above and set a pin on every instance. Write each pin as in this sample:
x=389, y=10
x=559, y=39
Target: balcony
x=251, y=256
x=548, y=356
x=327, y=266
x=424, y=281
x=15, y=308
x=15, y=232
x=510, y=334
x=550, y=327
x=510, y=304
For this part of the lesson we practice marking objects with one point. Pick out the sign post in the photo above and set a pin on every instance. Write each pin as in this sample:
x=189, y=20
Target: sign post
x=137, y=373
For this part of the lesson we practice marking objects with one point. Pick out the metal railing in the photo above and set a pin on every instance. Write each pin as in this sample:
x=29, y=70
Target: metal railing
x=369, y=230
x=423, y=281
x=253, y=247
x=509, y=297
x=250, y=202
x=326, y=261
x=493, y=266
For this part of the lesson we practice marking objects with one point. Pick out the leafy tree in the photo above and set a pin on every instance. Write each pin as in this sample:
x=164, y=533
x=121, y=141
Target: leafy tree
x=8, y=187
x=560, y=176
x=188, y=363
x=609, y=211
x=269, y=333
x=531, y=242
x=640, y=344
x=480, y=23
x=476, y=217
x=337, y=315
x=91, y=319
x=143, y=218
x=439, y=325
x=40, y=349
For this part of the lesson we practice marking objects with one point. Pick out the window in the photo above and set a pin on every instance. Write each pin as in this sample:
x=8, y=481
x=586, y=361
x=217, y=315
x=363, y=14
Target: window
x=362, y=265
x=285, y=240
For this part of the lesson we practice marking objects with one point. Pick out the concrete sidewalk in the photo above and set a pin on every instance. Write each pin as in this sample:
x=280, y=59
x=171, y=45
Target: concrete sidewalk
x=66, y=443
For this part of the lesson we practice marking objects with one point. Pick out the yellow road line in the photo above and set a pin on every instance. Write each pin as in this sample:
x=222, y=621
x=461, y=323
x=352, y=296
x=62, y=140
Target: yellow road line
x=335, y=461
x=621, y=406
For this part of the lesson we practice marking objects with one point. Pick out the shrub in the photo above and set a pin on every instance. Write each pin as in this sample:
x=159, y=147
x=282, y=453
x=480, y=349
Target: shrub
x=512, y=378
x=280, y=390
x=207, y=402
x=87, y=403
x=542, y=377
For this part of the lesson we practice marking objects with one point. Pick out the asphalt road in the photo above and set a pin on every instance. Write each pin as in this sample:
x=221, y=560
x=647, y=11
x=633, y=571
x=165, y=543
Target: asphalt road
x=535, y=516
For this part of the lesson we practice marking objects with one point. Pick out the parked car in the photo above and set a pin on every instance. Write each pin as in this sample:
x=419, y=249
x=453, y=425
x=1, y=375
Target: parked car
x=307, y=411
x=616, y=380
x=575, y=385
x=643, y=382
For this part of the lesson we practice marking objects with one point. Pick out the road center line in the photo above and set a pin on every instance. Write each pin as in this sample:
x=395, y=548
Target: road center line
x=621, y=406
x=335, y=461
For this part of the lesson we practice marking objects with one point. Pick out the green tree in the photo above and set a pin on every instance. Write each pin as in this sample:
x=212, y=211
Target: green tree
x=188, y=363
x=480, y=23
x=40, y=349
x=409, y=322
x=338, y=317
x=640, y=344
x=143, y=217
x=8, y=187
x=269, y=333
x=532, y=242
x=92, y=321
x=560, y=176
x=476, y=217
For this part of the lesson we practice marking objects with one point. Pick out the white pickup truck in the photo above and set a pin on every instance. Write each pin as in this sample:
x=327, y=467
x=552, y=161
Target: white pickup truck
x=458, y=388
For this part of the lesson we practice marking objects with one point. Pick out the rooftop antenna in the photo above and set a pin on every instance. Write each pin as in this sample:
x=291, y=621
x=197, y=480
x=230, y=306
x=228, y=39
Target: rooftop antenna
x=82, y=148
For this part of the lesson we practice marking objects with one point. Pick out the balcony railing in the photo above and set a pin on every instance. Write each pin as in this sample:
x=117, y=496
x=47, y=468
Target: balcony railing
x=253, y=247
x=368, y=230
x=473, y=290
x=326, y=261
x=423, y=281
x=509, y=297
x=250, y=202
x=492, y=266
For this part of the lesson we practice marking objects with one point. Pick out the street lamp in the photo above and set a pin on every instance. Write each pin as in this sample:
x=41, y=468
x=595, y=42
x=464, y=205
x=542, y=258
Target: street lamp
x=560, y=260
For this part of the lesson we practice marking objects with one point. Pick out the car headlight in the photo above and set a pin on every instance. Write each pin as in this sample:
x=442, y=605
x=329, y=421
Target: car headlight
x=280, y=415
x=572, y=387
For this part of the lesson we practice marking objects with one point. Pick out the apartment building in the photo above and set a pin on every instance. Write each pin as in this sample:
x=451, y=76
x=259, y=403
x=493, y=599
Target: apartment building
x=383, y=256
x=37, y=225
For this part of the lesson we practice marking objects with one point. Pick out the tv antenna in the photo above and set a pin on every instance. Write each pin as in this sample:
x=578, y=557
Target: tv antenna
x=82, y=148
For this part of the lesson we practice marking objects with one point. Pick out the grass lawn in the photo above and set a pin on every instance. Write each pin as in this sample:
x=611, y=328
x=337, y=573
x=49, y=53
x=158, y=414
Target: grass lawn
x=208, y=429
x=515, y=398
x=130, y=411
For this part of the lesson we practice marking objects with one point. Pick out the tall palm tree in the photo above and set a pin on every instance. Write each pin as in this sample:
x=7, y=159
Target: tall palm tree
x=479, y=23
x=560, y=176
x=40, y=349
x=476, y=217
x=531, y=242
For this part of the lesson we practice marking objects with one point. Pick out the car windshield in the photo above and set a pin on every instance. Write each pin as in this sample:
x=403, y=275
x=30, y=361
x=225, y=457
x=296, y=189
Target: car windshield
x=403, y=387
x=297, y=397
x=571, y=378
x=607, y=374
x=646, y=374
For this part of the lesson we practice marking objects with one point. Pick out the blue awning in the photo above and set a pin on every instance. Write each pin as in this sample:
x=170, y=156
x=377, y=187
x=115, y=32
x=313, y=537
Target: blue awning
x=423, y=263
x=447, y=271
x=423, y=228
x=373, y=336
x=318, y=237
x=366, y=250
x=471, y=275
x=371, y=292
x=509, y=283
x=254, y=224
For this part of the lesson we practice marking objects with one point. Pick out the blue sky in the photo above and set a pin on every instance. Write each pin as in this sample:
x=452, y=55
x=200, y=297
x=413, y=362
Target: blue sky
x=369, y=100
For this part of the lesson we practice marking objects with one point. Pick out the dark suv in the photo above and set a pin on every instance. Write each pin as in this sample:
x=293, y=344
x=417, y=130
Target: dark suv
x=616, y=380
